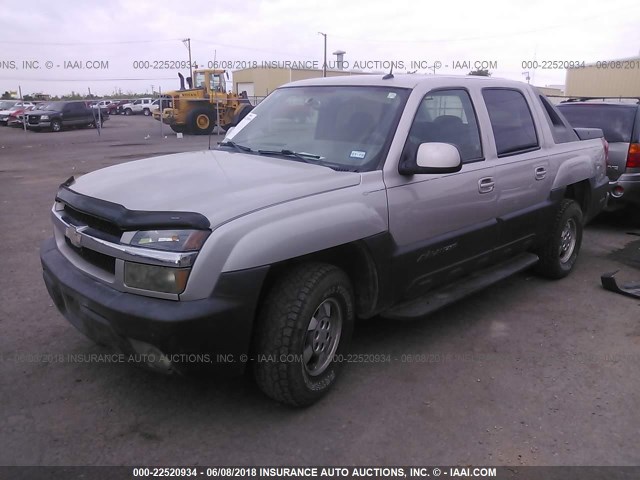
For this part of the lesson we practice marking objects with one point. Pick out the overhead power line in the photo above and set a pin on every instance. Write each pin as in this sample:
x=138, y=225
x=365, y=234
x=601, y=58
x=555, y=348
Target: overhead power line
x=72, y=44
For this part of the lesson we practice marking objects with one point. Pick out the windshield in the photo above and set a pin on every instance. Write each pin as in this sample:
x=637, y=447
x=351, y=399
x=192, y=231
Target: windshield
x=198, y=80
x=6, y=105
x=51, y=106
x=615, y=121
x=343, y=126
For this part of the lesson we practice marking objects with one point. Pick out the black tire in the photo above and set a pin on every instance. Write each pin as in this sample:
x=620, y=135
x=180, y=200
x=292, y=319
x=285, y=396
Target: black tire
x=238, y=117
x=304, y=325
x=177, y=128
x=201, y=121
x=128, y=111
x=56, y=125
x=146, y=112
x=560, y=251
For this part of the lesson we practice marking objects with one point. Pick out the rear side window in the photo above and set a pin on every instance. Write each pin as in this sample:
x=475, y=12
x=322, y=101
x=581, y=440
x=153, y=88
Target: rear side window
x=511, y=121
x=616, y=121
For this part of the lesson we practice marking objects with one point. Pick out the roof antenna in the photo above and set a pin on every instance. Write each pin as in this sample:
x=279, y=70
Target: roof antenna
x=389, y=75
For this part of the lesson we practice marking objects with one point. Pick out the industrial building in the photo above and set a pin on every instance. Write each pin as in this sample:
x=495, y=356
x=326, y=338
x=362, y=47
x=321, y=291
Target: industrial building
x=609, y=78
x=259, y=82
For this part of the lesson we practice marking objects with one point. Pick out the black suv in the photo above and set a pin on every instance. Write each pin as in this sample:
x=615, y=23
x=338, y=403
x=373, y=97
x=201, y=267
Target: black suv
x=58, y=115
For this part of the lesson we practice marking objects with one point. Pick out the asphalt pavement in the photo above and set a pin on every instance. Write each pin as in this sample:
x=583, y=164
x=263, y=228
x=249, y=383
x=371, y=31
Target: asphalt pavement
x=527, y=372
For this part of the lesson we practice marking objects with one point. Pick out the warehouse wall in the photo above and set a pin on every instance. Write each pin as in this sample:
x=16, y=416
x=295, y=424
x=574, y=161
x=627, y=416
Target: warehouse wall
x=621, y=79
x=265, y=80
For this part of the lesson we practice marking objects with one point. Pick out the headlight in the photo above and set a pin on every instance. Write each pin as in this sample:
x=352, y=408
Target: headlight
x=44, y=117
x=171, y=240
x=158, y=279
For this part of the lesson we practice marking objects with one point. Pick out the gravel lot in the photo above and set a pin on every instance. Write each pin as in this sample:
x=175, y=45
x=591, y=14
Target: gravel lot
x=528, y=372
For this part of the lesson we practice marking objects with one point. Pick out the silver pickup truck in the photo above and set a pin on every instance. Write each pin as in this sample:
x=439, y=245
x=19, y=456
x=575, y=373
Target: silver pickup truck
x=335, y=199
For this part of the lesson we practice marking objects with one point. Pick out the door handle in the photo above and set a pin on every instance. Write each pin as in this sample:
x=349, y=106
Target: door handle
x=486, y=185
x=541, y=172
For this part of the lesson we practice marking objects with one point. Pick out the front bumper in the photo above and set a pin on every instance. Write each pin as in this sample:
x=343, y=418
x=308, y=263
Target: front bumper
x=40, y=124
x=212, y=333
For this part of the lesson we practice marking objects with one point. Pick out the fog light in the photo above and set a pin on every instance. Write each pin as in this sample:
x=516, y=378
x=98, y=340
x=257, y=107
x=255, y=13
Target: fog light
x=157, y=279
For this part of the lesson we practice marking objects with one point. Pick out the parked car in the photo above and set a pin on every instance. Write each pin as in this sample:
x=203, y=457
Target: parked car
x=620, y=122
x=102, y=104
x=17, y=106
x=390, y=196
x=142, y=105
x=7, y=104
x=17, y=116
x=58, y=115
x=118, y=108
x=167, y=102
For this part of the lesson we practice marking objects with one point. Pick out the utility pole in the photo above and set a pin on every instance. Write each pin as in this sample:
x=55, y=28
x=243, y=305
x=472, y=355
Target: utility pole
x=187, y=43
x=324, y=64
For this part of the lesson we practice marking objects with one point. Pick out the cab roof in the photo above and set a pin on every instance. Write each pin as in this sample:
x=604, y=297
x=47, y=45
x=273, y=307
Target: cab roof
x=405, y=81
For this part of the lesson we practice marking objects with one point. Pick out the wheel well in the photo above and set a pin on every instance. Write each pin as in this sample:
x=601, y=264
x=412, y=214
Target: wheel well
x=580, y=192
x=354, y=259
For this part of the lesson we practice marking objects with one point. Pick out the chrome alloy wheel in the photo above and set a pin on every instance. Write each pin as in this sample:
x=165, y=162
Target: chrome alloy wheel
x=568, y=239
x=322, y=337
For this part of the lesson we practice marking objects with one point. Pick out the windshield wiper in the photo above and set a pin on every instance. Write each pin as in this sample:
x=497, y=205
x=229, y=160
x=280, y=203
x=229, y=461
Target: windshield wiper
x=240, y=148
x=290, y=153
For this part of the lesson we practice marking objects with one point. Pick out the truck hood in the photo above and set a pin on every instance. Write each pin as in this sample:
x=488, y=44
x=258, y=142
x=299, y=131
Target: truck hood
x=218, y=184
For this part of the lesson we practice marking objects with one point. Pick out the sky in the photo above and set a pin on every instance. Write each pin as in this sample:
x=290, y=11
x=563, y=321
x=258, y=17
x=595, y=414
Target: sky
x=118, y=43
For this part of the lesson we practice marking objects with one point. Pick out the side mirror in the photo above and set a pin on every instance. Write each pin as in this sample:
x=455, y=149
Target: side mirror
x=433, y=158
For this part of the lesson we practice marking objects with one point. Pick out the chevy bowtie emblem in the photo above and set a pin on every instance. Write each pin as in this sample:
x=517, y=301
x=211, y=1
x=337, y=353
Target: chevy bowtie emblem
x=73, y=234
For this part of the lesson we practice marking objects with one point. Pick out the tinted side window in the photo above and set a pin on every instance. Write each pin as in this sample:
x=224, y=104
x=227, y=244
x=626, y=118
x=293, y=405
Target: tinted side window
x=511, y=121
x=615, y=121
x=447, y=116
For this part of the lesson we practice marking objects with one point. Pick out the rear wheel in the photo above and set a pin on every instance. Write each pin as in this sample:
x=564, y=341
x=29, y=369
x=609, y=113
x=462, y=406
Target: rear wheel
x=304, y=326
x=201, y=121
x=178, y=128
x=559, y=253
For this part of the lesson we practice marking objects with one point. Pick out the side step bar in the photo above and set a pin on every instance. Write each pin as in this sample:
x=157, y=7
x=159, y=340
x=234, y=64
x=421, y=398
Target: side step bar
x=437, y=299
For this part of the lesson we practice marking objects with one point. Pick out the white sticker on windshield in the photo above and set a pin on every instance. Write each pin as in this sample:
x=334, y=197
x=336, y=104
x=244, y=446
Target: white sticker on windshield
x=391, y=95
x=243, y=123
x=357, y=154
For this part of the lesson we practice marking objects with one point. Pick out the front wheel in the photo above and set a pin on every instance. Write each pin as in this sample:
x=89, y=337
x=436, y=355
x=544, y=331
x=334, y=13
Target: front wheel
x=56, y=125
x=201, y=121
x=128, y=111
x=146, y=112
x=303, y=328
x=559, y=253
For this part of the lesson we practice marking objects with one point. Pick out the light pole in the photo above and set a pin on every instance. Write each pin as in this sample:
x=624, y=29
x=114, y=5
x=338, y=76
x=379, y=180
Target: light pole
x=187, y=43
x=324, y=64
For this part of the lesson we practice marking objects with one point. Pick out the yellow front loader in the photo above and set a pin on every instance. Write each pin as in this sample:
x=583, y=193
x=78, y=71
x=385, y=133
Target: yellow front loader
x=198, y=109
